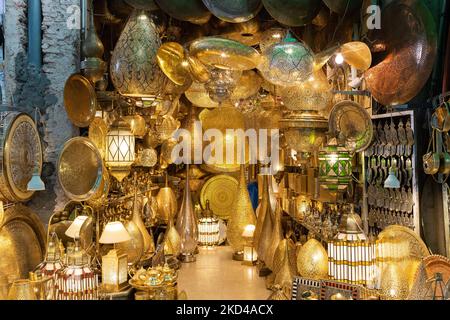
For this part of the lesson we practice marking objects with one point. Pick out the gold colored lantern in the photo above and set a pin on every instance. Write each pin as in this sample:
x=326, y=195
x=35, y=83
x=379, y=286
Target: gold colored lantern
x=312, y=260
x=335, y=168
x=208, y=229
x=249, y=256
x=134, y=69
x=52, y=263
x=351, y=257
x=115, y=263
x=120, y=154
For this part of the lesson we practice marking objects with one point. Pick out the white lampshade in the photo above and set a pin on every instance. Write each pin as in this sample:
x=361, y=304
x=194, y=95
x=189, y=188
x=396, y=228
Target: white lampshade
x=74, y=230
x=249, y=231
x=114, y=232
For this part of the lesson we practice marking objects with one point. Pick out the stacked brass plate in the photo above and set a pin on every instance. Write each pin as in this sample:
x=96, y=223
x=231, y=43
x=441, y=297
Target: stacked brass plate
x=221, y=191
x=248, y=33
x=81, y=171
x=293, y=13
x=80, y=100
x=225, y=54
x=234, y=11
x=20, y=154
x=22, y=241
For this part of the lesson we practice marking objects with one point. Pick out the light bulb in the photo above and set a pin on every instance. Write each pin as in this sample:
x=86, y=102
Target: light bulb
x=339, y=58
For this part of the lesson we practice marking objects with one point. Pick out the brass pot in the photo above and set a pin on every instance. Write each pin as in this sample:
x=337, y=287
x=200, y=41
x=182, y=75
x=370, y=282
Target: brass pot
x=137, y=125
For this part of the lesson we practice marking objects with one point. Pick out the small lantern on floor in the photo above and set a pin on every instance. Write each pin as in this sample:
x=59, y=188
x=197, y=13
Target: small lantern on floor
x=120, y=154
x=250, y=255
x=115, y=263
x=335, y=167
x=208, y=229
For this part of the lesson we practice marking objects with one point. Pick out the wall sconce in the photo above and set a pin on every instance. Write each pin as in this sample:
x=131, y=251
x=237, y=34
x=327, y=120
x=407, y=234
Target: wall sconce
x=250, y=255
x=120, y=154
x=115, y=263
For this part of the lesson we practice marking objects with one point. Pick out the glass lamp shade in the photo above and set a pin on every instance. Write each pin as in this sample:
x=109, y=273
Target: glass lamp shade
x=271, y=37
x=288, y=63
x=74, y=230
x=313, y=95
x=114, y=232
x=114, y=271
x=394, y=282
x=208, y=232
x=392, y=181
x=335, y=168
x=242, y=216
x=36, y=183
x=120, y=154
x=134, y=69
x=187, y=225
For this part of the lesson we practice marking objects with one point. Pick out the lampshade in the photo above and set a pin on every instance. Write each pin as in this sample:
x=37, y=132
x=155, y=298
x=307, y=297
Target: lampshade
x=249, y=231
x=121, y=150
x=392, y=181
x=36, y=183
x=74, y=230
x=114, y=232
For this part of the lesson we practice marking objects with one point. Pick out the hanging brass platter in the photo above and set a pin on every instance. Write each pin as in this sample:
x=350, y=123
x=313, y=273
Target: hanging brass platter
x=81, y=172
x=97, y=134
x=221, y=191
x=148, y=5
x=21, y=153
x=80, y=100
x=225, y=54
x=192, y=11
x=22, y=241
x=293, y=13
x=248, y=33
x=352, y=124
x=234, y=11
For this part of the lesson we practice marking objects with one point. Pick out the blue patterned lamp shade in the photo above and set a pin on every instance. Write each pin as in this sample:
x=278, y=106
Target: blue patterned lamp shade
x=335, y=168
x=120, y=155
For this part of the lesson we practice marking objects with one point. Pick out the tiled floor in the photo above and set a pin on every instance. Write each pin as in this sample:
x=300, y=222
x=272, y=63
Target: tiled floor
x=215, y=276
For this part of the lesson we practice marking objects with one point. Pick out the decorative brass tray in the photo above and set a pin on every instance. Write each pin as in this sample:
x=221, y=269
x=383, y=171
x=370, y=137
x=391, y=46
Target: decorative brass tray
x=221, y=191
x=81, y=172
x=80, y=100
x=22, y=241
x=352, y=124
x=20, y=154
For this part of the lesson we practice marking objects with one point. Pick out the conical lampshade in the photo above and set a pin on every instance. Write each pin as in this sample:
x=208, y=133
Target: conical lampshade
x=392, y=181
x=36, y=183
x=74, y=230
x=134, y=69
x=187, y=224
x=242, y=216
x=114, y=232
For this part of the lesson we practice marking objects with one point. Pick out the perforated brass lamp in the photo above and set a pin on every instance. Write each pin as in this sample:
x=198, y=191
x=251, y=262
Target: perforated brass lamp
x=115, y=263
x=120, y=154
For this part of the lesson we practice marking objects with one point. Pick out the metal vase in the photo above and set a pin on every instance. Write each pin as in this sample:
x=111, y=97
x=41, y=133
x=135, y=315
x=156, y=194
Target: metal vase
x=242, y=216
x=277, y=237
x=266, y=222
x=149, y=243
x=172, y=240
x=187, y=225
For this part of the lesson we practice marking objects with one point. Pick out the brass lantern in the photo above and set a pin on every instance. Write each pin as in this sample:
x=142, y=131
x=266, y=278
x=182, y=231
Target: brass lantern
x=335, y=168
x=250, y=256
x=120, y=153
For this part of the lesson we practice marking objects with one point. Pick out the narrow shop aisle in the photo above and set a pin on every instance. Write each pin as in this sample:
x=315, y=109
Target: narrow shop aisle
x=215, y=276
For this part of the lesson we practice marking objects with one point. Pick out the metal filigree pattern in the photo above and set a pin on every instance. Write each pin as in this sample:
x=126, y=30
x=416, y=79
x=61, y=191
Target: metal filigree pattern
x=21, y=152
x=134, y=69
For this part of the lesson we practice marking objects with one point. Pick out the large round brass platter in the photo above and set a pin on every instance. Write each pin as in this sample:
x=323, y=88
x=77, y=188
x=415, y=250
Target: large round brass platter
x=410, y=36
x=437, y=264
x=293, y=13
x=192, y=11
x=225, y=54
x=80, y=170
x=352, y=123
x=22, y=241
x=97, y=134
x=234, y=11
x=80, y=100
x=21, y=153
x=221, y=191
